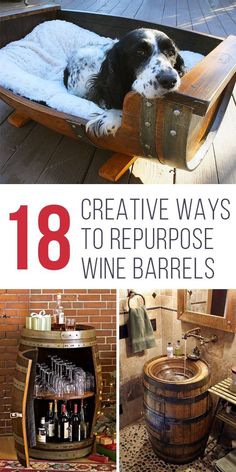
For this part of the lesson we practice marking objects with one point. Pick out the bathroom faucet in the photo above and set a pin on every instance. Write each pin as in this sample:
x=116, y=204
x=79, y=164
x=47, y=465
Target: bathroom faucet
x=195, y=333
x=192, y=332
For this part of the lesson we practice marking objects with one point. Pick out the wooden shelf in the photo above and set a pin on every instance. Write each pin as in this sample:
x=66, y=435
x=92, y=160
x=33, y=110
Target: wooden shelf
x=229, y=418
x=69, y=396
x=225, y=394
x=222, y=390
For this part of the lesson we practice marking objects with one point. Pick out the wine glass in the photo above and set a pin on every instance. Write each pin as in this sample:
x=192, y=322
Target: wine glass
x=80, y=381
x=90, y=385
x=70, y=324
x=69, y=382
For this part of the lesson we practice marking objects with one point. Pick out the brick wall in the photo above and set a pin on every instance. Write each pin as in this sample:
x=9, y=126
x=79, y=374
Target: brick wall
x=95, y=307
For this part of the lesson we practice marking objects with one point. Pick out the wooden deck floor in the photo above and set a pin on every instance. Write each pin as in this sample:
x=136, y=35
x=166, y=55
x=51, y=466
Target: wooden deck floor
x=35, y=154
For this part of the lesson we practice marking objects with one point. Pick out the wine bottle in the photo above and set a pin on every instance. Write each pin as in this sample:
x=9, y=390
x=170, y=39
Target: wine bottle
x=63, y=425
x=60, y=311
x=59, y=316
x=83, y=424
x=70, y=414
x=69, y=408
x=75, y=424
x=55, y=418
x=50, y=423
x=42, y=432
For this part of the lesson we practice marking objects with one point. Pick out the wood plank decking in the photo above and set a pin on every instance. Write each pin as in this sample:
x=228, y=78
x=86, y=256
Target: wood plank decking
x=34, y=154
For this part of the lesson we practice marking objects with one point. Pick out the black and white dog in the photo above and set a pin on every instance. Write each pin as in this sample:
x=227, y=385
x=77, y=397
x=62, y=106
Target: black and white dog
x=144, y=60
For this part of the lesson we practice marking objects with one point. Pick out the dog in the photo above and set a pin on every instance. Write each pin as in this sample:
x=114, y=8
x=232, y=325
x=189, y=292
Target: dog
x=146, y=61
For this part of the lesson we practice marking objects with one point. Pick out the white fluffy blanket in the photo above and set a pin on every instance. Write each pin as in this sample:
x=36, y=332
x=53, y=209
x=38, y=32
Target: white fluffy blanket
x=33, y=66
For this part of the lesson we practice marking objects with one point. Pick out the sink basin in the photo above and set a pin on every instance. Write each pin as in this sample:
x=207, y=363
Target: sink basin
x=175, y=373
x=175, y=370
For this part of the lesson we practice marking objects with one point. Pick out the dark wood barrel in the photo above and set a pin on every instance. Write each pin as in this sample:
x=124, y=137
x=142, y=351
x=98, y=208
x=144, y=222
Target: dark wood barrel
x=177, y=412
x=77, y=346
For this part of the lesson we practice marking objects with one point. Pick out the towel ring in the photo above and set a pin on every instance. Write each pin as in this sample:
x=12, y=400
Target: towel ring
x=132, y=295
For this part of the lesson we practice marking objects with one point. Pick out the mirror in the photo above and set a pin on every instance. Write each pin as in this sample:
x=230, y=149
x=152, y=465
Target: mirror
x=214, y=308
x=208, y=302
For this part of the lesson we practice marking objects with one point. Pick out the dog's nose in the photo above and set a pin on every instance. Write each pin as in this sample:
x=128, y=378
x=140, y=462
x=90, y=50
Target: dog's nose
x=167, y=81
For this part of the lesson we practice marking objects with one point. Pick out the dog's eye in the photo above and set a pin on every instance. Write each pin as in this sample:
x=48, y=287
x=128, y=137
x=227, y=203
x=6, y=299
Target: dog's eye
x=143, y=48
x=141, y=52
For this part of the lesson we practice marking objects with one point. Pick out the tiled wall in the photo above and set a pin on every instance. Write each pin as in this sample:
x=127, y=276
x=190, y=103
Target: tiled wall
x=95, y=307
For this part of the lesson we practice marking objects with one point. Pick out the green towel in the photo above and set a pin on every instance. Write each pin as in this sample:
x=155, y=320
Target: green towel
x=140, y=330
x=227, y=463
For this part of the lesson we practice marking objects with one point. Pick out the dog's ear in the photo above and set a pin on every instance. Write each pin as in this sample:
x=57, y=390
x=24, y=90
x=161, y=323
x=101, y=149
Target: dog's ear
x=112, y=60
x=179, y=65
x=112, y=76
x=107, y=87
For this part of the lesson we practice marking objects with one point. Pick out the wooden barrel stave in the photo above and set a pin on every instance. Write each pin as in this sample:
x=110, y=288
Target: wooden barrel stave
x=175, y=431
x=69, y=451
x=178, y=408
x=179, y=454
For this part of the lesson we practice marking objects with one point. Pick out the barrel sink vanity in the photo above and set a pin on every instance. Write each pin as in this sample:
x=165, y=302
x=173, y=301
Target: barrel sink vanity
x=177, y=407
x=37, y=348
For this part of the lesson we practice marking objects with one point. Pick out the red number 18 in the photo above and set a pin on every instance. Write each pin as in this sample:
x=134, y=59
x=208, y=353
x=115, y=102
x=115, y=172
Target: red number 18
x=49, y=235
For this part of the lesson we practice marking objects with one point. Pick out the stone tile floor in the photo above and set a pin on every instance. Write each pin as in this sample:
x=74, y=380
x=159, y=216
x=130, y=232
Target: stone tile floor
x=136, y=454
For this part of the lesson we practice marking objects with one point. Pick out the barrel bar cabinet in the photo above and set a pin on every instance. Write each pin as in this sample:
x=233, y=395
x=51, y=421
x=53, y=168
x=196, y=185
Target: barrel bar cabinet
x=79, y=347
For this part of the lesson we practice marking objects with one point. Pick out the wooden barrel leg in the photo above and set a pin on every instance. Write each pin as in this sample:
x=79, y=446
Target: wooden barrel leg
x=18, y=119
x=116, y=166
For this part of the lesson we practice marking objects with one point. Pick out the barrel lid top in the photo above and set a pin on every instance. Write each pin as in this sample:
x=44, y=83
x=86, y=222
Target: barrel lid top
x=79, y=327
x=82, y=331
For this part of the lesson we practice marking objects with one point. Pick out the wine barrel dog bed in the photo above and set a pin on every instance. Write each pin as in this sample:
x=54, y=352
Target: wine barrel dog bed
x=175, y=130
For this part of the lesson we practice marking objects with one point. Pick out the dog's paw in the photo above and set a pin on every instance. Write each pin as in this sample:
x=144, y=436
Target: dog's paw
x=106, y=123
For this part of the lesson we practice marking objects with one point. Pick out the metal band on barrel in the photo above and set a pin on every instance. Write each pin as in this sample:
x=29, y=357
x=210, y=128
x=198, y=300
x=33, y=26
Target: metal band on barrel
x=79, y=131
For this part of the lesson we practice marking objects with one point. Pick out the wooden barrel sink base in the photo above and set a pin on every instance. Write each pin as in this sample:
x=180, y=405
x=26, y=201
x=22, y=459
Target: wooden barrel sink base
x=177, y=408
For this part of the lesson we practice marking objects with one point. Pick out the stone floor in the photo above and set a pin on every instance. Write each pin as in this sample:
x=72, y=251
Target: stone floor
x=136, y=454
